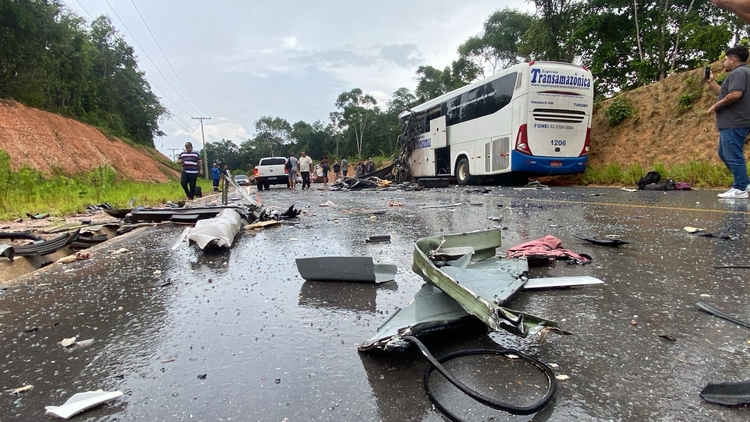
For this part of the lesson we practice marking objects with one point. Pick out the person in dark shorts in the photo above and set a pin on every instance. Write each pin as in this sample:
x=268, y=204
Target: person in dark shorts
x=191, y=168
x=215, y=176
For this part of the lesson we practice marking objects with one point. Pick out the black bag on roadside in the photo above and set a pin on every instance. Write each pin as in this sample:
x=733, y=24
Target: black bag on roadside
x=666, y=185
x=649, y=178
x=198, y=192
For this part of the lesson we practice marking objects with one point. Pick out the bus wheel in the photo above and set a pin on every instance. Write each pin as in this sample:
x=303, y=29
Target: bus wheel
x=462, y=172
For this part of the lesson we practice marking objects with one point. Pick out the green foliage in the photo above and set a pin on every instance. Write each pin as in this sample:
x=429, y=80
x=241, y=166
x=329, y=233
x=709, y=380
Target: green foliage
x=686, y=100
x=5, y=178
x=620, y=109
x=720, y=78
x=692, y=92
x=49, y=61
x=29, y=191
x=102, y=179
x=700, y=174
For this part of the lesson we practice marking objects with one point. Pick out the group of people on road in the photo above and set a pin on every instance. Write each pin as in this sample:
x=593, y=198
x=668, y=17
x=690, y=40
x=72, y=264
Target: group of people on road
x=304, y=167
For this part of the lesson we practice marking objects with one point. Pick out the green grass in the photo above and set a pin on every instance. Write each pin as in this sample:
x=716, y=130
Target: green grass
x=29, y=191
x=700, y=174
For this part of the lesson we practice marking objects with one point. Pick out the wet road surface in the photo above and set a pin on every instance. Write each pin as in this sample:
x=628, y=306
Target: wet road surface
x=240, y=336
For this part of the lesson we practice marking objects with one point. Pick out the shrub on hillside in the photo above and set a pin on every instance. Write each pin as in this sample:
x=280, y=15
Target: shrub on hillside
x=690, y=94
x=620, y=109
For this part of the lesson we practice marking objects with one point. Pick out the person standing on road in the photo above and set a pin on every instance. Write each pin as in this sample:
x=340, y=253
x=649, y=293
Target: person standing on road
x=191, y=168
x=370, y=166
x=324, y=166
x=216, y=176
x=305, y=165
x=336, y=170
x=291, y=166
x=733, y=118
x=344, y=166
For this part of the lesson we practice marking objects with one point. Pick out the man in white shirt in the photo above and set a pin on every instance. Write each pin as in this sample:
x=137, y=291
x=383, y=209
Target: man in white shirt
x=305, y=165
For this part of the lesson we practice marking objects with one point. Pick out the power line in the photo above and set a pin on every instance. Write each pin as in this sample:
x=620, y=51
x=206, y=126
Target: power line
x=165, y=56
x=147, y=56
x=156, y=88
x=205, y=161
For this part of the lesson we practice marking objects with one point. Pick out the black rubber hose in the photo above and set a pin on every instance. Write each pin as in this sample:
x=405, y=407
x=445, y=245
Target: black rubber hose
x=507, y=407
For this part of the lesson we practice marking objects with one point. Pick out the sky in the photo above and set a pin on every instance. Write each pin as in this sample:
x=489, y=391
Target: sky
x=237, y=60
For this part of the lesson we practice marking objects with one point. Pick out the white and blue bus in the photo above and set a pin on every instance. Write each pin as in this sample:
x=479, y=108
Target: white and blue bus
x=530, y=119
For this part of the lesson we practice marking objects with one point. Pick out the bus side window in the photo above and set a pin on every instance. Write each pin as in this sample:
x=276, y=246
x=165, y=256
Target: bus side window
x=503, y=93
x=453, y=114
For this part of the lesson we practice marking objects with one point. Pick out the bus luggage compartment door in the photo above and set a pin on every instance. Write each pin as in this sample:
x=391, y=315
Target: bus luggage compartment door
x=422, y=162
x=500, y=155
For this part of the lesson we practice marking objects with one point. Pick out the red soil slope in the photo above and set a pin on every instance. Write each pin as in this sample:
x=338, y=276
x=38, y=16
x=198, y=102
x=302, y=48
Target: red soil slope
x=47, y=142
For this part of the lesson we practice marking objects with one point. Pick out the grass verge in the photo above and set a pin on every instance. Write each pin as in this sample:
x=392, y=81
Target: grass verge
x=29, y=191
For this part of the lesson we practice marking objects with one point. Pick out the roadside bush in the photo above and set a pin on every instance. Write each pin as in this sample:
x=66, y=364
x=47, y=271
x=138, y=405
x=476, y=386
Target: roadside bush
x=691, y=93
x=620, y=109
x=5, y=176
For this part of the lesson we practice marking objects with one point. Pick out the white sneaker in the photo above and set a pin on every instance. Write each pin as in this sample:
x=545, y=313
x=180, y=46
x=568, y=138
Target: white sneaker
x=733, y=194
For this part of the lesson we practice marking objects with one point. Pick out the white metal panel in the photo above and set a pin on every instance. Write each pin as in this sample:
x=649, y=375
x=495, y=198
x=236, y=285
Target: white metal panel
x=500, y=154
x=422, y=162
x=438, y=134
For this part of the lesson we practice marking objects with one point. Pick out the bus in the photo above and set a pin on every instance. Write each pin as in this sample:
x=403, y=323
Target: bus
x=529, y=119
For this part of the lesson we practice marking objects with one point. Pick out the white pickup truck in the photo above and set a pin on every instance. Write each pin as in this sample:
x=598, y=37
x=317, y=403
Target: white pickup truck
x=270, y=171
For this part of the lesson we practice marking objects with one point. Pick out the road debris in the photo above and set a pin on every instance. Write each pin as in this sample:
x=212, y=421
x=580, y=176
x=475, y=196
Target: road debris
x=19, y=390
x=82, y=401
x=342, y=268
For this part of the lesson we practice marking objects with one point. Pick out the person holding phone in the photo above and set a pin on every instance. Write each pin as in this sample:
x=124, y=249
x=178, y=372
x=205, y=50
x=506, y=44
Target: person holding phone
x=733, y=117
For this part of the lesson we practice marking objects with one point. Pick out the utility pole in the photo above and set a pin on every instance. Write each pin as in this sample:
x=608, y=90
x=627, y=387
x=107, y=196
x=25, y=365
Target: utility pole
x=174, y=156
x=203, y=138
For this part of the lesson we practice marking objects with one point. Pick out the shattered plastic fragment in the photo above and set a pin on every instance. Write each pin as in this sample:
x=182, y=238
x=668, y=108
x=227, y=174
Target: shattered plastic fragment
x=67, y=342
x=82, y=401
x=19, y=390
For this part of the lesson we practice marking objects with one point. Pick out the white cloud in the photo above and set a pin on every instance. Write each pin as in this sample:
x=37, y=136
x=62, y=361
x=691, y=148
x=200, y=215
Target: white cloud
x=291, y=59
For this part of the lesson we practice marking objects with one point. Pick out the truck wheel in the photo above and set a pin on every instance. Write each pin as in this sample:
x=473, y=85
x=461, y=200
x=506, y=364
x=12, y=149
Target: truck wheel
x=267, y=185
x=463, y=177
x=259, y=184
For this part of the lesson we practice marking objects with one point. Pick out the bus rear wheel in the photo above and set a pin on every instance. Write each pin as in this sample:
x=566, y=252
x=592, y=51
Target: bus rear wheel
x=463, y=176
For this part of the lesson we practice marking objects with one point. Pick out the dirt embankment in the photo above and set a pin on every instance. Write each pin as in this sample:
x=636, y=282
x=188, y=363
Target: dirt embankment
x=659, y=131
x=49, y=142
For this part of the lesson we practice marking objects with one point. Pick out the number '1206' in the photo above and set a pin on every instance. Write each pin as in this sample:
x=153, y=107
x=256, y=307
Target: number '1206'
x=557, y=142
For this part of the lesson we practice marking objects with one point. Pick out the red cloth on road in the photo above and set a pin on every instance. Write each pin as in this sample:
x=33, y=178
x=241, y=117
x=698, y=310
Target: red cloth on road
x=548, y=247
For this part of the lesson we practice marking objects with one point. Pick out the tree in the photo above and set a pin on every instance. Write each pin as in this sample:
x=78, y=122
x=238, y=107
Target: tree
x=271, y=134
x=224, y=152
x=549, y=35
x=430, y=83
x=355, y=112
x=434, y=83
x=49, y=61
x=401, y=99
x=497, y=48
x=674, y=36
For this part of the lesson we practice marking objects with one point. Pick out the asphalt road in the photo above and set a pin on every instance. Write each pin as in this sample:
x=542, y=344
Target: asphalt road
x=240, y=336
